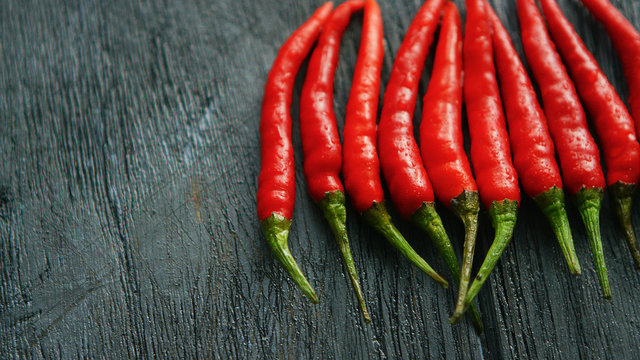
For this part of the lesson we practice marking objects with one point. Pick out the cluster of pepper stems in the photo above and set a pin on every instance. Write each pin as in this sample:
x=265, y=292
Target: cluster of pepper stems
x=514, y=139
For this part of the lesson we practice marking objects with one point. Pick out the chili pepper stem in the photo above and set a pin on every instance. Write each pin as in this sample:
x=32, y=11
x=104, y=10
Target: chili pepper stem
x=378, y=217
x=589, y=202
x=427, y=219
x=622, y=197
x=503, y=216
x=276, y=230
x=466, y=206
x=334, y=209
x=552, y=204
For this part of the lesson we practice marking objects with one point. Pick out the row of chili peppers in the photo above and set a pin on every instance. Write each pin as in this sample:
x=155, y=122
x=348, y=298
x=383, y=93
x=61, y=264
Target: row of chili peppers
x=521, y=150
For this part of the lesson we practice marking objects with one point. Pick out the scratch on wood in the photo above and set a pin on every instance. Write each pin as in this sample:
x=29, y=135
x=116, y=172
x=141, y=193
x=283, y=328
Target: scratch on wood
x=195, y=197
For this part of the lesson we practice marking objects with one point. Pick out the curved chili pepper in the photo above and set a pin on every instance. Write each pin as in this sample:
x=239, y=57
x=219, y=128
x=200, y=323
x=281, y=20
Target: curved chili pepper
x=442, y=144
x=320, y=139
x=490, y=153
x=626, y=41
x=276, y=183
x=576, y=149
x=613, y=122
x=531, y=143
x=361, y=167
x=402, y=166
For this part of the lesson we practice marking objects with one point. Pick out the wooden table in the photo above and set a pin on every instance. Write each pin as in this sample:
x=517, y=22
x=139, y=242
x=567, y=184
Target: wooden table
x=129, y=156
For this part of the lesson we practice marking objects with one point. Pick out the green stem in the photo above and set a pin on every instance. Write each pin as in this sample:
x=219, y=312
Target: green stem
x=378, y=217
x=466, y=206
x=589, y=202
x=276, y=230
x=551, y=202
x=427, y=219
x=503, y=216
x=334, y=209
x=622, y=197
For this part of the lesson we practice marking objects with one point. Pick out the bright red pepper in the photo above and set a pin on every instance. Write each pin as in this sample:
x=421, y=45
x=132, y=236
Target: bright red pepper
x=320, y=139
x=276, y=183
x=490, y=152
x=613, y=122
x=361, y=167
x=531, y=143
x=442, y=143
x=576, y=149
x=400, y=159
x=626, y=40
x=402, y=166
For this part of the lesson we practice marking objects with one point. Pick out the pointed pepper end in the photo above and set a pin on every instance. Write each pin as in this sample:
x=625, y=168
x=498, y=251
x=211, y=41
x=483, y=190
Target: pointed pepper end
x=455, y=317
x=335, y=211
x=552, y=204
x=378, y=217
x=589, y=202
x=276, y=231
x=478, y=327
x=622, y=197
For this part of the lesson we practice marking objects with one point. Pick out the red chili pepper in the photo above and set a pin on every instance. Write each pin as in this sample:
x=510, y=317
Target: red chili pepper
x=576, y=149
x=361, y=168
x=531, y=143
x=490, y=153
x=320, y=139
x=276, y=187
x=402, y=166
x=442, y=143
x=613, y=122
x=626, y=40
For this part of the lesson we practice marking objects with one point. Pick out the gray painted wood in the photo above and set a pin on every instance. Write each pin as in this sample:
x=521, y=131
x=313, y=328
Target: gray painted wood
x=128, y=169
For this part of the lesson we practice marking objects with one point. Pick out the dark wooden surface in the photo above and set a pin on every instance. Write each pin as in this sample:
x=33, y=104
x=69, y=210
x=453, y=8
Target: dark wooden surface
x=128, y=169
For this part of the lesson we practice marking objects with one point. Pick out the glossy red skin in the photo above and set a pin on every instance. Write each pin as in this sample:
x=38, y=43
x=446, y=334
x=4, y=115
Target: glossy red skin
x=626, y=40
x=576, y=149
x=613, y=123
x=441, y=139
x=531, y=143
x=490, y=152
x=276, y=182
x=402, y=166
x=319, y=132
x=361, y=167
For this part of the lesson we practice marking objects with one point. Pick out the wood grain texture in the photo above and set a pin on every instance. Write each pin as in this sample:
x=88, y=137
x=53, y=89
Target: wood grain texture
x=129, y=156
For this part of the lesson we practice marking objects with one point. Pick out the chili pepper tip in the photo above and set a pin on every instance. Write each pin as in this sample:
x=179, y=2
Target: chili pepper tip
x=276, y=230
x=427, y=219
x=503, y=216
x=622, y=197
x=552, y=204
x=466, y=206
x=378, y=217
x=334, y=209
x=589, y=202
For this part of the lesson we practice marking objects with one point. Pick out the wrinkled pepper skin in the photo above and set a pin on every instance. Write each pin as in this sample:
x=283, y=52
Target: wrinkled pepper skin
x=534, y=155
x=318, y=129
x=276, y=182
x=320, y=140
x=613, y=123
x=361, y=165
x=626, y=41
x=490, y=150
x=577, y=151
x=402, y=166
x=442, y=143
x=441, y=139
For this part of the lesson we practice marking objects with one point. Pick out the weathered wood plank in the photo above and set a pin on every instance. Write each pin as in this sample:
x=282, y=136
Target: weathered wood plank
x=128, y=169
